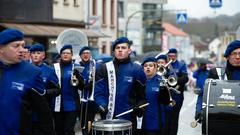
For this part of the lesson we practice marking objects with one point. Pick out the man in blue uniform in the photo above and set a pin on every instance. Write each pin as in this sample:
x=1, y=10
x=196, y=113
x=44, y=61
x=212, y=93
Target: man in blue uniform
x=120, y=84
x=67, y=104
x=88, y=106
x=180, y=70
x=200, y=75
x=232, y=68
x=37, y=53
x=21, y=88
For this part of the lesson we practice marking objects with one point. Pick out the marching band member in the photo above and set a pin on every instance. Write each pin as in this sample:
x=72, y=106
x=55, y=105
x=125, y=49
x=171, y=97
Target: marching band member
x=37, y=54
x=232, y=68
x=201, y=75
x=153, y=115
x=26, y=53
x=180, y=70
x=88, y=106
x=67, y=104
x=120, y=84
x=21, y=88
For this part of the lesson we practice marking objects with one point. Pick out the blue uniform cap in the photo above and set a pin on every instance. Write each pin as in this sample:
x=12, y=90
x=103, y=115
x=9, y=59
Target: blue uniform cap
x=162, y=56
x=37, y=47
x=172, y=50
x=83, y=49
x=27, y=47
x=10, y=35
x=67, y=46
x=231, y=47
x=149, y=59
x=120, y=40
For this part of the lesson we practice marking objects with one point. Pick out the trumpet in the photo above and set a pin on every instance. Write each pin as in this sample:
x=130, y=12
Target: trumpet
x=163, y=68
x=170, y=82
x=74, y=81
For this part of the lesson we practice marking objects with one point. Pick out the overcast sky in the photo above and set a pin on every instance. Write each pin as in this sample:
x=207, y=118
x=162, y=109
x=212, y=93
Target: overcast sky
x=200, y=8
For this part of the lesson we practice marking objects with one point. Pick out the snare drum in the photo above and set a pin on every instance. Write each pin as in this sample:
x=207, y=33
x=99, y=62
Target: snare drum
x=221, y=107
x=112, y=127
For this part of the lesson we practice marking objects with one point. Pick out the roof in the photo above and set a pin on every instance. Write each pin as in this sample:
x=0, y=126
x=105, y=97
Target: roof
x=46, y=30
x=174, y=30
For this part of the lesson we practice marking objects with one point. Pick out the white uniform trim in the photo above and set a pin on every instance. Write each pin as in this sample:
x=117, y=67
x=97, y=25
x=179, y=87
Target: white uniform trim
x=112, y=89
x=58, y=98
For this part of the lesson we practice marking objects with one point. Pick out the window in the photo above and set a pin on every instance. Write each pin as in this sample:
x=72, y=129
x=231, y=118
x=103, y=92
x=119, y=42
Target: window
x=120, y=9
x=112, y=12
x=104, y=21
x=75, y=3
x=94, y=7
x=65, y=2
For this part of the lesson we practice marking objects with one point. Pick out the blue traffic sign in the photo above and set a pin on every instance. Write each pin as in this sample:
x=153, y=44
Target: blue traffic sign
x=181, y=18
x=215, y=3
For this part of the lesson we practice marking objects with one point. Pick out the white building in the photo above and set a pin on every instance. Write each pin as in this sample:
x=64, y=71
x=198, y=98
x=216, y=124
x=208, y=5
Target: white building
x=99, y=15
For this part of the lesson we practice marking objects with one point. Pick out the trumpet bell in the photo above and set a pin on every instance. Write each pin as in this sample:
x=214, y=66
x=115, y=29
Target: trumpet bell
x=172, y=80
x=74, y=81
x=193, y=124
x=172, y=103
x=162, y=70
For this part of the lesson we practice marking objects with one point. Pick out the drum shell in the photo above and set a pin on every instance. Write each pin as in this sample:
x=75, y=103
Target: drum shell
x=115, y=126
x=221, y=112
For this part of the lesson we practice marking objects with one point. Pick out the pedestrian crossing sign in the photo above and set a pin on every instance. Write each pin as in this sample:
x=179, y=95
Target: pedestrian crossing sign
x=215, y=3
x=181, y=18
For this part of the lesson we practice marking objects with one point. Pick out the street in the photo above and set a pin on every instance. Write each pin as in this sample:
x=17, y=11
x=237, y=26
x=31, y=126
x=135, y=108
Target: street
x=187, y=115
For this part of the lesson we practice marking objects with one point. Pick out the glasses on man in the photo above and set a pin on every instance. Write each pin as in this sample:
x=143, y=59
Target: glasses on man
x=235, y=54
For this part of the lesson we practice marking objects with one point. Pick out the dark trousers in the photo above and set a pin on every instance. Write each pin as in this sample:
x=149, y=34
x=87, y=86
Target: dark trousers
x=171, y=124
x=151, y=132
x=65, y=122
x=86, y=120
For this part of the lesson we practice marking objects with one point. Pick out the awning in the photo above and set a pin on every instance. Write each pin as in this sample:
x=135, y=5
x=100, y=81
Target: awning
x=47, y=30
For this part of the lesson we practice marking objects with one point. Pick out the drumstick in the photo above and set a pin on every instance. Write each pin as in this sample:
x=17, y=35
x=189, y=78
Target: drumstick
x=126, y=112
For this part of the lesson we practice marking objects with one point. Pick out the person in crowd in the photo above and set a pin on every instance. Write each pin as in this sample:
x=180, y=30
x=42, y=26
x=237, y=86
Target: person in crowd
x=153, y=116
x=21, y=89
x=26, y=53
x=67, y=104
x=37, y=54
x=179, y=69
x=88, y=106
x=200, y=75
x=232, y=69
x=120, y=85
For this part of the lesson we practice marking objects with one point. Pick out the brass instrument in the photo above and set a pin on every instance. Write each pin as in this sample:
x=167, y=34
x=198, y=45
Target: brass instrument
x=74, y=81
x=170, y=82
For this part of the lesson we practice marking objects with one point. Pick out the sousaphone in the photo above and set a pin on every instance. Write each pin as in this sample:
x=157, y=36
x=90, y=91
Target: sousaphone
x=74, y=37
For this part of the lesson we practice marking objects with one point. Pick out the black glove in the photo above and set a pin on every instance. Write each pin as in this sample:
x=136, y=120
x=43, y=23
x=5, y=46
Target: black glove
x=138, y=111
x=163, y=96
x=52, y=89
x=198, y=117
x=89, y=86
x=103, y=110
x=79, y=78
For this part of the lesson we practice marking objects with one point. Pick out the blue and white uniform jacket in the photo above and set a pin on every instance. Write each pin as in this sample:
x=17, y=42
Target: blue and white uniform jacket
x=17, y=81
x=153, y=113
x=130, y=87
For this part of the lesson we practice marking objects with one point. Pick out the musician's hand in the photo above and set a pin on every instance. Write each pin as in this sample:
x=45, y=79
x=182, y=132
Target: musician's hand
x=52, y=89
x=103, y=110
x=89, y=87
x=164, y=96
x=138, y=111
x=198, y=117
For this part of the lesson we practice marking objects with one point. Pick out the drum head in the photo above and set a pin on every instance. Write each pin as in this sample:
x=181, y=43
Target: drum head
x=112, y=125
